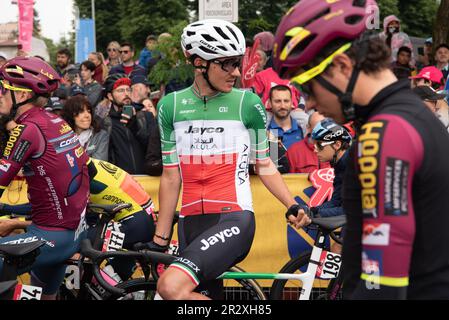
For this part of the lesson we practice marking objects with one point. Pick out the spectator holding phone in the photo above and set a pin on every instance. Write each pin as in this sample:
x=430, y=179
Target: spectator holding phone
x=127, y=128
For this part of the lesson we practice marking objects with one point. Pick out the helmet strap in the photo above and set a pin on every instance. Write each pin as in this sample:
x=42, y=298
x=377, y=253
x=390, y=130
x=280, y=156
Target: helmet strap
x=345, y=98
x=15, y=105
x=334, y=158
x=206, y=76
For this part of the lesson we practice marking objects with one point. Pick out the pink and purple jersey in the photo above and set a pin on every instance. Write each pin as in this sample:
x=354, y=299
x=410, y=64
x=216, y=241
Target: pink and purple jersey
x=54, y=166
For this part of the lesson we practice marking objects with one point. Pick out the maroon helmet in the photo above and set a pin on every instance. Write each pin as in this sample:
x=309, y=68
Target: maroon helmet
x=311, y=25
x=32, y=73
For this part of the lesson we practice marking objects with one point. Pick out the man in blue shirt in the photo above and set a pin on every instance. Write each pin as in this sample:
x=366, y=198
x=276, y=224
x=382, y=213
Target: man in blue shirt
x=283, y=130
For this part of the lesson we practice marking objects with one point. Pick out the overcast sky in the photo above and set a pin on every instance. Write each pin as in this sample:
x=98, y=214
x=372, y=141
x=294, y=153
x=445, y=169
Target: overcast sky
x=56, y=16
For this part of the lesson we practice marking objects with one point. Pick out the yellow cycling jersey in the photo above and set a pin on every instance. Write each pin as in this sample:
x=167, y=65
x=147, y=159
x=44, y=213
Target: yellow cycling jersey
x=111, y=185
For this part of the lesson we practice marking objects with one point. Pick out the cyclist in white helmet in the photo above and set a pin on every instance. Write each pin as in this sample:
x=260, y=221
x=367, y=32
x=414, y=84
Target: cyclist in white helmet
x=209, y=133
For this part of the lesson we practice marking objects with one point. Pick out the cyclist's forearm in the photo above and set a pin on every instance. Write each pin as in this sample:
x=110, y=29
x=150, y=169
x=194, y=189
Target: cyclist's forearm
x=168, y=198
x=273, y=181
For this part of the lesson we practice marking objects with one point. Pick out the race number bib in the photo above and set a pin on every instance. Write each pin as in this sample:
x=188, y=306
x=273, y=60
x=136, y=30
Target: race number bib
x=329, y=267
x=113, y=240
x=173, y=249
x=25, y=292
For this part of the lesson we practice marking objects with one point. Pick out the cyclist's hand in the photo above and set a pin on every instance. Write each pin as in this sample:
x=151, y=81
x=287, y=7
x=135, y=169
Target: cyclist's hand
x=6, y=227
x=302, y=220
x=152, y=246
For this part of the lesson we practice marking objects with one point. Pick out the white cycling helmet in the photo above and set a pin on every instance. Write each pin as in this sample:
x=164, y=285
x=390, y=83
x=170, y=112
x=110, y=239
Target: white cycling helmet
x=212, y=39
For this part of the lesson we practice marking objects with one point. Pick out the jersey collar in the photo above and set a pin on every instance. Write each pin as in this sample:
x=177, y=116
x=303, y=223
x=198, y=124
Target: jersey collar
x=363, y=113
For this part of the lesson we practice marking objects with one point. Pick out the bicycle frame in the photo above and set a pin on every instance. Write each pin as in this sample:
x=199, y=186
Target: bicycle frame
x=306, y=278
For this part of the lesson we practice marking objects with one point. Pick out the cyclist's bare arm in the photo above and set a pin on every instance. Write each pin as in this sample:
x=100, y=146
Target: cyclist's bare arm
x=9, y=225
x=168, y=198
x=273, y=181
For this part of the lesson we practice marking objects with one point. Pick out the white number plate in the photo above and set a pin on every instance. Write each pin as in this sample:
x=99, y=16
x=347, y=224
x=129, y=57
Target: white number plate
x=113, y=241
x=25, y=292
x=329, y=267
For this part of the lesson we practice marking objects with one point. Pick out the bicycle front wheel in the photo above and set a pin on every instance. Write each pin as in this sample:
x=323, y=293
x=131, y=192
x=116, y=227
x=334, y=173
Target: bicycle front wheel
x=136, y=289
x=290, y=289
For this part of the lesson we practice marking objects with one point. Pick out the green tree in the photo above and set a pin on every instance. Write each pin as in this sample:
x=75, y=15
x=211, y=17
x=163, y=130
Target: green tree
x=140, y=18
x=254, y=15
x=441, y=27
x=107, y=17
x=388, y=7
x=418, y=16
x=36, y=24
x=173, y=64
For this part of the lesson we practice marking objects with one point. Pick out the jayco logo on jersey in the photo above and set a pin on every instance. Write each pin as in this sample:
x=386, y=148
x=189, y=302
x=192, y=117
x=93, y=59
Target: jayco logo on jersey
x=201, y=130
x=227, y=233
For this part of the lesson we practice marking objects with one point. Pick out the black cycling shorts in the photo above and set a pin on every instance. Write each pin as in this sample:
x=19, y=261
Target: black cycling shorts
x=209, y=244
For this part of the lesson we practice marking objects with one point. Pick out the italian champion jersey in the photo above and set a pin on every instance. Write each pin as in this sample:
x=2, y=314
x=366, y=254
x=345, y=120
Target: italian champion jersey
x=212, y=141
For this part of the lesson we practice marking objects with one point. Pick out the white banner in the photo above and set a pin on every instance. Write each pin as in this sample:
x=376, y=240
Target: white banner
x=219, y=9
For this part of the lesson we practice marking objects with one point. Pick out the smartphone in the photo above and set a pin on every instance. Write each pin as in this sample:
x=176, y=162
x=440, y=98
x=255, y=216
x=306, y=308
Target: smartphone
x=421, y=51
x=128, y=110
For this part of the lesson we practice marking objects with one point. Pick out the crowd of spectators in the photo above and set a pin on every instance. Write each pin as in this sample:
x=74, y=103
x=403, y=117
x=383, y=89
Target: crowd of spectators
x=109, y=104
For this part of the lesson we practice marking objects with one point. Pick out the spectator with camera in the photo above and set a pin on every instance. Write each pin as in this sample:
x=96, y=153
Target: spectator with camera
x=127, y=128
x=92, y=89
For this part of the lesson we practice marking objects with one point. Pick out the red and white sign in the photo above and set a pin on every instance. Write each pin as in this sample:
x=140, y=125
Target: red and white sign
x=249, y=65
x=323, y=181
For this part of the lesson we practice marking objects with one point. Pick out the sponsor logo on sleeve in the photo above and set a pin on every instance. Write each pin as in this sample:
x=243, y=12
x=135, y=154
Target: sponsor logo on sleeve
x=79, y=152
x=21, y=150
x=65, y=143
x=262, y=112
x=13, y=138
x=70, y=160
x=4, y=165
x=372, y=262
x=64, y=128
x=396, y=182
x=370, y=142
x=376, y=234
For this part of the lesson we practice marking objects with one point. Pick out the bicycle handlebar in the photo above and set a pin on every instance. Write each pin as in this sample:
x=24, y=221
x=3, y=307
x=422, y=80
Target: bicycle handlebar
x=97, y=257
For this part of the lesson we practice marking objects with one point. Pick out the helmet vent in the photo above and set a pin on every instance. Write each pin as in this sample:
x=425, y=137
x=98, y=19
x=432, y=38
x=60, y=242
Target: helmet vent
x=204, y=49
x=221, y=33
x=222, y=48
x=191, y=33
x=354, y=19
x=317, y=17
x=233, y=46
x=303, y=45
x=359, y=3
x=208, y=37
x=233, y=33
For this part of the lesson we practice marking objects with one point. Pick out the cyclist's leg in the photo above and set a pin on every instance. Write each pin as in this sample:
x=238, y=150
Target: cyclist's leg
x=138, y=227
x=48, y=269
x=209, y=254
